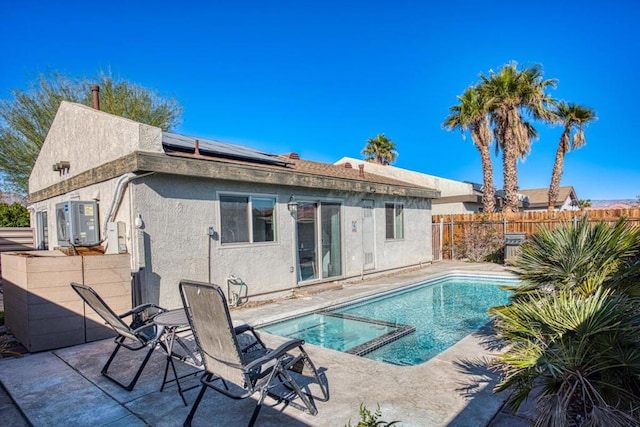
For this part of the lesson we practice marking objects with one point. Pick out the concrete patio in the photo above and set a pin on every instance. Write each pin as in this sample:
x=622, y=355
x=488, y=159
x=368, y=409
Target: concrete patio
x=65, y=387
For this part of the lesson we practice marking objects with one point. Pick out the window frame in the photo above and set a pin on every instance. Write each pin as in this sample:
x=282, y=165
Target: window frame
x=250, y=224
x=395, y=216
x=42, y=229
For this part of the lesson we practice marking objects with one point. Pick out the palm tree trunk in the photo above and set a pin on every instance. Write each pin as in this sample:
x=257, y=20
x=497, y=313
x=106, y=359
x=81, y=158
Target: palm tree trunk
x=554, y=188
x=509, y=159
x=488, y=194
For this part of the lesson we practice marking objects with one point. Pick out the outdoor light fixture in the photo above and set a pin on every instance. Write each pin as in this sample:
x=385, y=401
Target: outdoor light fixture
x=62, y=167
x=292, y=205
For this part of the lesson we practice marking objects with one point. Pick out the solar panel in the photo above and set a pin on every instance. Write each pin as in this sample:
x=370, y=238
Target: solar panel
x=218, y=149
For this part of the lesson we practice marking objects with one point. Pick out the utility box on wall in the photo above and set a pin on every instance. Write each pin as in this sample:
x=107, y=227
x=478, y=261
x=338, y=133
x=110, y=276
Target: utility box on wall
x=116, y=238
x=77, y=223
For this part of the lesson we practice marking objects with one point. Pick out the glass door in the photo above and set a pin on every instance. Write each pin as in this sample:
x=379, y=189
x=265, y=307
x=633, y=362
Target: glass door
x=306, y=239
x=330, y=235
x=318, y=238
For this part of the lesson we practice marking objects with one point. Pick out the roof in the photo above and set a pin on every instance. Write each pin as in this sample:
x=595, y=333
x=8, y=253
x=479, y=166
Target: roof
x=539, y=197
x=184, y=143
x=209, y=150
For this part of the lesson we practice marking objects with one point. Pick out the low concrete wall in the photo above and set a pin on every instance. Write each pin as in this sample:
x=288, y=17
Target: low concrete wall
x=42, y=310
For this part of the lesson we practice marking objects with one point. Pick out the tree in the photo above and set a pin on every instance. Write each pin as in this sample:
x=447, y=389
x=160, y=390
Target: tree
x=572, y=327
x=583, y=204
x=472, y=114
x=380, y=150
x=25, y=120
x=581, y=256
x=512, y=93
x=14, y=215
x=576, y=355
x=573, y=118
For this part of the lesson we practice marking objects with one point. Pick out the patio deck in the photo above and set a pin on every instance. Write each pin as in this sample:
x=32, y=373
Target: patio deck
x=65, y=387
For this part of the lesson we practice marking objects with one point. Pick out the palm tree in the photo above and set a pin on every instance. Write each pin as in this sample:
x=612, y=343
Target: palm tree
x=510, y=93
x=471, y=114
x=579, y=257
x=573, y=117
x=380, y=150
x=577, y=355
x=572, y=327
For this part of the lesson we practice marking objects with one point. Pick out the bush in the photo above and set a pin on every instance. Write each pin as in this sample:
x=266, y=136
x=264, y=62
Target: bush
x=14, y=215
x=481, y=243
x=369, y=419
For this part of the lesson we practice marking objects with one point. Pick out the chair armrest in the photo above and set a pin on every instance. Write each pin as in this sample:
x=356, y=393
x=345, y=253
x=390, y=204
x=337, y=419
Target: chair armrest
x=141, y=308
x=274, y=354
x=243, y=328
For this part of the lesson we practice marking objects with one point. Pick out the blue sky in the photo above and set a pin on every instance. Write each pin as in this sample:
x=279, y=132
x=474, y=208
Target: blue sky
x=320, y=78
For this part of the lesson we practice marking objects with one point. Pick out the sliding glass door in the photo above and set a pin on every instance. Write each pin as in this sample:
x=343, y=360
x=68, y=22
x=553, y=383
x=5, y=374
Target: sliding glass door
x=318, y=238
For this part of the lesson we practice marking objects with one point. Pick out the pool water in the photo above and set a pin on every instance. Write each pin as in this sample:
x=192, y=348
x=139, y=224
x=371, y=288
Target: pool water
x=403, y=327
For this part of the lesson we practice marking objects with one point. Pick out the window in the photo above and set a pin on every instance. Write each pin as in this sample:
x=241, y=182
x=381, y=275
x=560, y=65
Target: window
x=394, y=217
x=246, y=219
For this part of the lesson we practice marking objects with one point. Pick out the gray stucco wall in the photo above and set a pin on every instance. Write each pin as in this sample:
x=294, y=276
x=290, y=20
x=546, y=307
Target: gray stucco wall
x=177, y=211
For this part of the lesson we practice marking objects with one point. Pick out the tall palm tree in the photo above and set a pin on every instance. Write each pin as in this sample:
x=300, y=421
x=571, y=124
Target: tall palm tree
x=380, y=150
x=510, y=93
x=471, y=114
x=573, y=117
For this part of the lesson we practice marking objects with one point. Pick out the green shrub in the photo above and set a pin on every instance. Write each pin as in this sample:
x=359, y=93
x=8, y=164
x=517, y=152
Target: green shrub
x=14, y=215
x=369, y=419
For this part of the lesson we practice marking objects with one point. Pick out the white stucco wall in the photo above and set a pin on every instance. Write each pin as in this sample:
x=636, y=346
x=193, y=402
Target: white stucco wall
x=447, y=187
x=88, y=138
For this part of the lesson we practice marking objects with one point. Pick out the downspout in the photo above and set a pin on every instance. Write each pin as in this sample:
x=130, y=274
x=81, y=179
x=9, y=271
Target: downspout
x=121, y=185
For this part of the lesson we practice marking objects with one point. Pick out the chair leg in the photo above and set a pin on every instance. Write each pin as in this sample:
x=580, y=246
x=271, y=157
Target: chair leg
x=133, y=382
x=312, y=368
x=256, y=410
x=292, y=384
x=194, y=408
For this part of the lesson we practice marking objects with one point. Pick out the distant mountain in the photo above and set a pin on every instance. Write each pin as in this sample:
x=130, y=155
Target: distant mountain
x=605, y=203
x=10, y=198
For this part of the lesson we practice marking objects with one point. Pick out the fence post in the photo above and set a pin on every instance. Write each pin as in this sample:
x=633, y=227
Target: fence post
x=504, y=227
x=440, y=239
x=575, y=221
x=452, y=239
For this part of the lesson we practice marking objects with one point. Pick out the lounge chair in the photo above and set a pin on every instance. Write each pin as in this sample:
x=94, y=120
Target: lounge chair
x=140, y=333
x=263, y=370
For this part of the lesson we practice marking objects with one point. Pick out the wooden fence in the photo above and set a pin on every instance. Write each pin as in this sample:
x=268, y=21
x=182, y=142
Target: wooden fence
x=452, y=229
x=16, y=239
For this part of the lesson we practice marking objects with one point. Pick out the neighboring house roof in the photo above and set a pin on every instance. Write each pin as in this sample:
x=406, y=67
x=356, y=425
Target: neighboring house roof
x=539, y=197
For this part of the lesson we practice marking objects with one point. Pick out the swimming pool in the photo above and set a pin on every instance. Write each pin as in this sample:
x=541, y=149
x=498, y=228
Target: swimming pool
x=402, y=327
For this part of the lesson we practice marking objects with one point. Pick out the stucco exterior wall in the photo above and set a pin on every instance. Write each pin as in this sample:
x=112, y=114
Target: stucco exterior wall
x=88, y=138
x=176, y=213
x=103, y=193
x=446, y=187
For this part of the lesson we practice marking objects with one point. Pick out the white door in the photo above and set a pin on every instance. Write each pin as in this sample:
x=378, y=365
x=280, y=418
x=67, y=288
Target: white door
x=368, y=240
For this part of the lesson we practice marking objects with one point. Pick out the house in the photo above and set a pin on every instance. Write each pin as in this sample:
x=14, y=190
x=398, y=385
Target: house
x=205, y=210
x=455, y=197
x=537, y=199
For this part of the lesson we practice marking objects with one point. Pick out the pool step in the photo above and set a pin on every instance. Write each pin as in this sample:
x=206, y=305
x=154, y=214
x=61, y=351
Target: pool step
x=399, y=331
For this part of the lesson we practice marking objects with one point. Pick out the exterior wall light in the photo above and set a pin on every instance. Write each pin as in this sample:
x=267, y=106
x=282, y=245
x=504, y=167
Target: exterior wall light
x=292, y=206
x=61, y=167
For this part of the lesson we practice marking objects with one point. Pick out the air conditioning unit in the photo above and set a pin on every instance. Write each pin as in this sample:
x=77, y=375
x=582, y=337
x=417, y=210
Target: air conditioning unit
x=77, y=223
